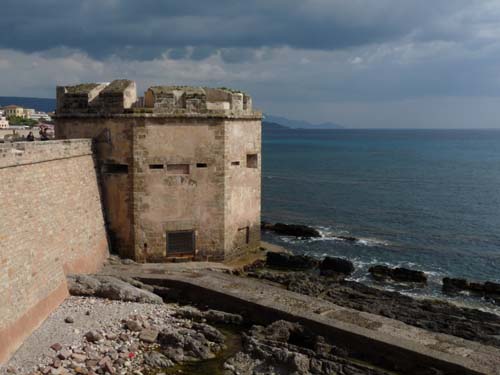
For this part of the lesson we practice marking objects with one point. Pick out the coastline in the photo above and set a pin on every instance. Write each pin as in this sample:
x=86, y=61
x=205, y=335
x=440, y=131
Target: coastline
x=433, y=289
x=305, y=319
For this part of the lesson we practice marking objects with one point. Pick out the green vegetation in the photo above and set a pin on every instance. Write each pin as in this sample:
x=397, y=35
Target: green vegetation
x=21, y=121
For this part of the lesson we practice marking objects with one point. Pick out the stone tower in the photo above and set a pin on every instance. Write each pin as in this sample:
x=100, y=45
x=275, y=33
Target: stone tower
x=180, y=169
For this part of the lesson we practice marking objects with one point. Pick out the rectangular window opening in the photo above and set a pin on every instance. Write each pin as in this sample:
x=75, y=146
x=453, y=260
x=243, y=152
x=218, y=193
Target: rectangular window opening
x=155, y=166
x=235, y=163
x=178, y=168
x=201, y=165
x=180, y=243
x=252, y=161
x=115, y=168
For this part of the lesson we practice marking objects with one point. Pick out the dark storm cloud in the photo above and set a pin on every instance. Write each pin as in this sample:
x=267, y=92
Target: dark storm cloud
x=145, y=29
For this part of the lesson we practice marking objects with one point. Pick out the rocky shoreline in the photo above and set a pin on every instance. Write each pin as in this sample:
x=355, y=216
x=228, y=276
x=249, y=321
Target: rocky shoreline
x=327, y=280
x=114, y=327
x=488, y=291
x=118, y=325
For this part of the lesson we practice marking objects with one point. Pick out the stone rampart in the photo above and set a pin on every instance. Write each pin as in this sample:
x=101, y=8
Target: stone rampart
x=51, y=223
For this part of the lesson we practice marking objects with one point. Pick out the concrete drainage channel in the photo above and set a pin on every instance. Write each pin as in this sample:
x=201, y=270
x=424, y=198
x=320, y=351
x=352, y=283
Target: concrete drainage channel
x=377, y=353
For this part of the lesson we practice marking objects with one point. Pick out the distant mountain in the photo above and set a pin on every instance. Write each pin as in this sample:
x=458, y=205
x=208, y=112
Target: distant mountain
x=39, y=104
x=300, y=124
x=273, y=125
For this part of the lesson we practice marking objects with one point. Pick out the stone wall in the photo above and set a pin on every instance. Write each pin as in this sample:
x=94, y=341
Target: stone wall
x=179, y=185
x=242, y=186
x=112, y=147
x=51, y=224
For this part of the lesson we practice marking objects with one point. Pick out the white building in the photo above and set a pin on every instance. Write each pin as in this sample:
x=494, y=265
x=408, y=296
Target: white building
x=28, y=112
x=40, y=116
x=4, y=123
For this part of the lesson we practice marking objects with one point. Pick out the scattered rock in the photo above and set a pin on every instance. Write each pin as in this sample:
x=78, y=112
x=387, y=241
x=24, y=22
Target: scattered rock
x=291, y=230
x=290, y=262
x=69, y=320
x=109, y=287
x=93, y=336
x=149, y=335
x=133, y=325
x=333, y=266
x=382, y=273
x=56, y=347
x=79, y=358
x=64, y=354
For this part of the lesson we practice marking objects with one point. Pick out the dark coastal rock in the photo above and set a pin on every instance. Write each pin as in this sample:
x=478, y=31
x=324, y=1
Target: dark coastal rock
x=288, y=261
x=492, y=288
x=347, y=238
x=433, y=315
x=454, y=285
x=109, y=287
x=295, y=230
x=489, y=290
x=331, y=266
x=397, y=274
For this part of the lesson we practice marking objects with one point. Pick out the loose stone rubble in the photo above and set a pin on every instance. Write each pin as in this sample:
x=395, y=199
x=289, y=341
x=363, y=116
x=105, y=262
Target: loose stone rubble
x=133, y=339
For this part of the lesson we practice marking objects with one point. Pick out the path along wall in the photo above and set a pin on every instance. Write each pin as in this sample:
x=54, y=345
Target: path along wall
x=51, y=224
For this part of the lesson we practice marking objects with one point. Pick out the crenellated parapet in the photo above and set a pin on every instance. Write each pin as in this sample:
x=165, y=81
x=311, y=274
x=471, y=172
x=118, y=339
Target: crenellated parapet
x=120, y=97
x=114, y=97
x=185, y=99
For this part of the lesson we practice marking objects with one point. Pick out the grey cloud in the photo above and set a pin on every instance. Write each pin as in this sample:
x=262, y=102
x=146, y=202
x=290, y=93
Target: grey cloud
x=145, y=29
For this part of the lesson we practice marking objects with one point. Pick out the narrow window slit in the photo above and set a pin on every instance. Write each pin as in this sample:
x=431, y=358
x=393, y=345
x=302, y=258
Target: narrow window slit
x=113, y=168
x=155, y=166
x=201, y=165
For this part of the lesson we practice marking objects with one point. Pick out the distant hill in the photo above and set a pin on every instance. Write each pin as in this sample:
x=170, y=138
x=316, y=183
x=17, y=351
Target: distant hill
x=273, y=125
x=300, y=124
x=40, y=104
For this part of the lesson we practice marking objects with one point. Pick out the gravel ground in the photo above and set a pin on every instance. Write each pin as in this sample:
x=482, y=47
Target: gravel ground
x=88, y=314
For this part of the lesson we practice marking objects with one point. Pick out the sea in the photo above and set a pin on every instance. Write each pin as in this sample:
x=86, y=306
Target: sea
x=423, y=199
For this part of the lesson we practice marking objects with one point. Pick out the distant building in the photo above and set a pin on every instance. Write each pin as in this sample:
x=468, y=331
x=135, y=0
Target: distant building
x=4, y=123
x=40, y=116
x=28, y=112
x=13, y=110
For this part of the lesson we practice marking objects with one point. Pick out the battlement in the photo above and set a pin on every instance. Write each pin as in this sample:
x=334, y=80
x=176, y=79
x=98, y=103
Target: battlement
x=120, y=97
x=114, y=97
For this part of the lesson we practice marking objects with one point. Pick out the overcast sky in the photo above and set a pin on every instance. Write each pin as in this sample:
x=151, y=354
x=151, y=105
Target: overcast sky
x=360, y=63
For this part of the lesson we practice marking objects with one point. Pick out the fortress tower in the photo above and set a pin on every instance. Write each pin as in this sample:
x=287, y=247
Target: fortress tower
x=180, y=169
